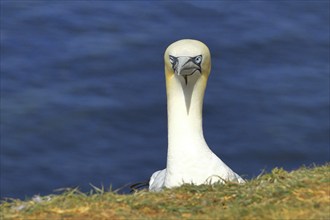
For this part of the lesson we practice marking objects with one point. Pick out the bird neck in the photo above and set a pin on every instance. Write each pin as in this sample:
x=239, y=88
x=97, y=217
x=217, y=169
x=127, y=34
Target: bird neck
x=184, y=108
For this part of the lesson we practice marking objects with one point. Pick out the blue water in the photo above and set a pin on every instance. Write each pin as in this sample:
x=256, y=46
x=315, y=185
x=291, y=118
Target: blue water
x=83, y=90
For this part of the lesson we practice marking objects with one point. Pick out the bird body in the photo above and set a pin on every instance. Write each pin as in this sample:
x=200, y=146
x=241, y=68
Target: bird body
x=189, y=159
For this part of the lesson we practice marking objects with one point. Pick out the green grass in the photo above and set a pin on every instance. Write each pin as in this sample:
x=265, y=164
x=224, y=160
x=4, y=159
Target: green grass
x=300, y=194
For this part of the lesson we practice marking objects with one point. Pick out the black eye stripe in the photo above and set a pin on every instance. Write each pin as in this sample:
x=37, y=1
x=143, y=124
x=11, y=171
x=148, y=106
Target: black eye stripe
x=173, y=59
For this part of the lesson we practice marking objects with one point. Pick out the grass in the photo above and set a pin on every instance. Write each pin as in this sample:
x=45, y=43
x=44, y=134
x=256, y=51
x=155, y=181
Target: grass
x=300, y=194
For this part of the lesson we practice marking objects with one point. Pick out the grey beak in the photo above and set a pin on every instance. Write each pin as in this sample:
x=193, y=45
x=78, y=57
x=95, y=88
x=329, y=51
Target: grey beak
x=185, y=66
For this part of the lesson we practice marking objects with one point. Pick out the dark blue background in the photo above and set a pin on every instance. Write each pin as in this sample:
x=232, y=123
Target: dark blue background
x=83, y=90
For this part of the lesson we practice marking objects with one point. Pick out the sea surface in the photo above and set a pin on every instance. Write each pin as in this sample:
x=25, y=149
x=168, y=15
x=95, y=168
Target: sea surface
x=83, y=91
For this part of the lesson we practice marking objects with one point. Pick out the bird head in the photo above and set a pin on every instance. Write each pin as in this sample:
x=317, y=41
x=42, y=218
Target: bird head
x=187, y=68
x=187, y=58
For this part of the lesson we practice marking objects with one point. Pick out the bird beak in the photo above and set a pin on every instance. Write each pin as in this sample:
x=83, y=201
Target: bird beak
x=185, y=67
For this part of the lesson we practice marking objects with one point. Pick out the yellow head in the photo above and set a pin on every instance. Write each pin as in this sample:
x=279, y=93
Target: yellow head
x=185, y=58
x=187, y=68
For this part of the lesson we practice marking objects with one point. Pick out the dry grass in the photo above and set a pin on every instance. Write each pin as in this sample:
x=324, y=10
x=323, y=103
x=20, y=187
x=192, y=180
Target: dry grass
x=301, y=194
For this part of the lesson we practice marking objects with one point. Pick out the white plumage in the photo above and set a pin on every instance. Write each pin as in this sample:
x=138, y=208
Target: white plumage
x=189, y=159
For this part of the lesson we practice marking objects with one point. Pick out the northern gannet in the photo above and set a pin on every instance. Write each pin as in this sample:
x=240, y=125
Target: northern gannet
x=189, y=158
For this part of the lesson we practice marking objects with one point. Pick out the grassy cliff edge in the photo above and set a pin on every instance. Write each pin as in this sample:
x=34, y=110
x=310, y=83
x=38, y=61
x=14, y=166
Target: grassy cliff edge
x=300, y=194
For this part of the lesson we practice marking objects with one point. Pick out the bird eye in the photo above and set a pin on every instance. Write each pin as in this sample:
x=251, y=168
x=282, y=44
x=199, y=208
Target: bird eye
x=198, y=59
x=172, y=59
